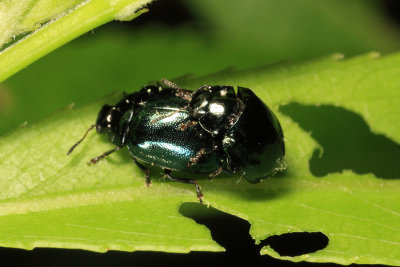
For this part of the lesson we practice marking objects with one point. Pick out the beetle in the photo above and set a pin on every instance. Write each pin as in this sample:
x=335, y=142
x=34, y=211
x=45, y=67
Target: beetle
x=205, y=131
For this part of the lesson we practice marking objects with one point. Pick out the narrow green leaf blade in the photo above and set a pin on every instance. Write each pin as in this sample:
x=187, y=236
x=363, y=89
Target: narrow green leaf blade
x=68, y=25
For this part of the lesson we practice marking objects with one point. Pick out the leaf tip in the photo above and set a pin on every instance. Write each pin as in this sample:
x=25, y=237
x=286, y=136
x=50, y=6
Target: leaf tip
x=132, y=11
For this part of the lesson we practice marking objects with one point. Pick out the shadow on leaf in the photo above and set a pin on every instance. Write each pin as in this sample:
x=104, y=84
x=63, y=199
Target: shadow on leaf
x=347, y=142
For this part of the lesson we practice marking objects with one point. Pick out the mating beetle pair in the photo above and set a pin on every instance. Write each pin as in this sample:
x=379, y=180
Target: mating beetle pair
x=206, y=131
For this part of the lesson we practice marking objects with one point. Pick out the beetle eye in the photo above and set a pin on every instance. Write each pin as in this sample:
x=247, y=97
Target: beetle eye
x=99, y=128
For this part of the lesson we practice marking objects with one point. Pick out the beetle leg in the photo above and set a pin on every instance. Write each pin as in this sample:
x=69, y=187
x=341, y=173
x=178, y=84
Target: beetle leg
x=193, y=160
x=105, y=154
x=146, y=170
x=186, y=181
x=184, y=126
x=215, y=173
x=196, y=157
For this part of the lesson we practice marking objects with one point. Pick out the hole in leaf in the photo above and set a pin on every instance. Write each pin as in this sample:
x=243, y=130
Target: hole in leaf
x=347, y=142
x=232, y=233
x=295, y=244
x=229, y=231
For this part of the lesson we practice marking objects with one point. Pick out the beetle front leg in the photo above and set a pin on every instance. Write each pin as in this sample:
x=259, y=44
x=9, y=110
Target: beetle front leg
x=105, y=154
x=186, y=181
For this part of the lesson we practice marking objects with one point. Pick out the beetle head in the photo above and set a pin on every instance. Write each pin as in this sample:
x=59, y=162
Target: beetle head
x=108, y=121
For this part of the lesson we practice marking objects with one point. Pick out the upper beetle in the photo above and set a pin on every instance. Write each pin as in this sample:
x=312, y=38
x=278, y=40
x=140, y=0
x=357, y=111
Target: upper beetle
x=204, y=131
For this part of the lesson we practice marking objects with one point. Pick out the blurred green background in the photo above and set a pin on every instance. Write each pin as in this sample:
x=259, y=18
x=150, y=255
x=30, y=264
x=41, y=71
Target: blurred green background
x=194, y=37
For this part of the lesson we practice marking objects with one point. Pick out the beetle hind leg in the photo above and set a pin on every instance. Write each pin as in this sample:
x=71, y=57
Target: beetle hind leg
x=186, y=181
x=146, y=170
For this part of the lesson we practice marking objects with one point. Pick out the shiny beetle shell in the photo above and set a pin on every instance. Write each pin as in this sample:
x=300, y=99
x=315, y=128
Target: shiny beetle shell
x=206, y=131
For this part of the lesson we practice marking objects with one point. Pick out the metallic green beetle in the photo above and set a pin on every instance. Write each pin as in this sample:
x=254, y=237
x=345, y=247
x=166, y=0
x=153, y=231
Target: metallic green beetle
x=206, y=131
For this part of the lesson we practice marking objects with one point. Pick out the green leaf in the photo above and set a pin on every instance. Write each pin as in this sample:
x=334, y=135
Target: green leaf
x=51, y=200
x=27, y=15
x=65, y=22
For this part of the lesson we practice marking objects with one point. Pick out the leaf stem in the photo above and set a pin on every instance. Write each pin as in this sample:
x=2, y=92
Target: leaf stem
x=85, y=17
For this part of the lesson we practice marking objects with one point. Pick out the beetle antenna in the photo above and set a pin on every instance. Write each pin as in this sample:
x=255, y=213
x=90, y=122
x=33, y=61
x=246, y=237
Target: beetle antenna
x=170, y=84
x=180, y=92
x=84, y=136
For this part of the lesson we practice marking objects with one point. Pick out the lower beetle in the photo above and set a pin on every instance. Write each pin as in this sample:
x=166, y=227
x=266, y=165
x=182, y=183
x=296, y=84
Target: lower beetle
x=206, y=131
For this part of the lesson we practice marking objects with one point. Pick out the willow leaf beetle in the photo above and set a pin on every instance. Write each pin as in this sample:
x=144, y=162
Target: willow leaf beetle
x=206, y=131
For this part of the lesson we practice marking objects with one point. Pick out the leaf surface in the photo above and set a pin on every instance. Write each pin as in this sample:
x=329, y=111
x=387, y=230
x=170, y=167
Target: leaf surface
x=51, y=200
